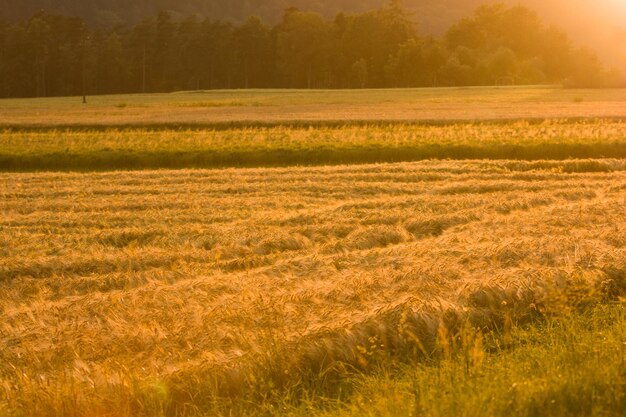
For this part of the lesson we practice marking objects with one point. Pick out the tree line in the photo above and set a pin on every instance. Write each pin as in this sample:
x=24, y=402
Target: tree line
x=52, y=55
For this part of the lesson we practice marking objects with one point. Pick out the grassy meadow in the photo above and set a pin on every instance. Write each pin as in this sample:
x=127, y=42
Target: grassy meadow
x=467, y=268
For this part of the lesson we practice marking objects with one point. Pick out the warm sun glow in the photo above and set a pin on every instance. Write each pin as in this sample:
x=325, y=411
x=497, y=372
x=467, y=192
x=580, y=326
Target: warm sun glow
x=342, y=208
x=619, y=4
x=597, y=24
x=614, y=9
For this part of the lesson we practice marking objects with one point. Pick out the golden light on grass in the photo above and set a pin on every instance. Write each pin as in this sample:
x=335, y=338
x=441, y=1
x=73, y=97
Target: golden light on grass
x=151, y=292
x=476, y=262
x=95, y=149
x=262, y=107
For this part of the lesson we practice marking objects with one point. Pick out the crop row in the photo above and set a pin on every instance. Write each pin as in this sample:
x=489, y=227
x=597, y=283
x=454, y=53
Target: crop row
x=110, y=149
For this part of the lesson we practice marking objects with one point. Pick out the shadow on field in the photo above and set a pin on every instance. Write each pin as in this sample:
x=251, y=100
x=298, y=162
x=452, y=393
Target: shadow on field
x=133, y=160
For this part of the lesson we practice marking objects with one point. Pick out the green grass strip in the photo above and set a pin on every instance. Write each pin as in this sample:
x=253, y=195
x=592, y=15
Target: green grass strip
x=571, y=366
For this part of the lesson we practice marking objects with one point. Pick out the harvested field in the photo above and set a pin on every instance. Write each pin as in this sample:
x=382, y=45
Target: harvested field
x=157, y=292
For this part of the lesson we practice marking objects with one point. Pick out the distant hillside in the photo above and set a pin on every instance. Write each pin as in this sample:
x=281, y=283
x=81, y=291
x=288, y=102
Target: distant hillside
x=435, y=15
x=106, y=12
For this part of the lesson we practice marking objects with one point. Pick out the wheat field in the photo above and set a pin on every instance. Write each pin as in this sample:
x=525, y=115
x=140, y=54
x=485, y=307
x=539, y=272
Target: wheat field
x=173, y=292
x=152, y=148
x=395, y=253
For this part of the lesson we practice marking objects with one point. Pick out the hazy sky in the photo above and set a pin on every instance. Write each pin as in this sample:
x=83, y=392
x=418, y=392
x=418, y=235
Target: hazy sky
x=600, y=24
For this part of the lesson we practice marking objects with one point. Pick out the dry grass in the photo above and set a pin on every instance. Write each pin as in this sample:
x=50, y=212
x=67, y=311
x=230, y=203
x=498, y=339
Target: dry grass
x=109, y=149
x=158, y=292
x=283, y=106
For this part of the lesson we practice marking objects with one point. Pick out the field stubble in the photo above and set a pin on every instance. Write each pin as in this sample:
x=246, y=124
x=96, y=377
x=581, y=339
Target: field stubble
x=158, y=292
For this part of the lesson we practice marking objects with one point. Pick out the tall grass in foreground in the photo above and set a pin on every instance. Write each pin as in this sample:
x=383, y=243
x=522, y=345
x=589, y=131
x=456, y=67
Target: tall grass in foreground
x=563, y=356
x=570, y=362
x=570, y=365
x=110, y=149
x=208, y=292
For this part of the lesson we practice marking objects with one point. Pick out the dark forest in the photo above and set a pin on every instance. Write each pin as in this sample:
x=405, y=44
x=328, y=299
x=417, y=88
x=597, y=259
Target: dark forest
x=56, y=55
